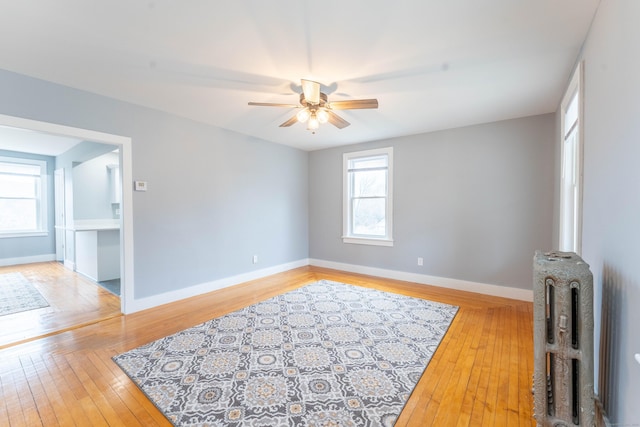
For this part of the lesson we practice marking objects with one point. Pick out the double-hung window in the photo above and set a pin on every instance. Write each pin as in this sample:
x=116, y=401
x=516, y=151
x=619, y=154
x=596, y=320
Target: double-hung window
x=570, y=225
x=367, y=205
x=22, y=197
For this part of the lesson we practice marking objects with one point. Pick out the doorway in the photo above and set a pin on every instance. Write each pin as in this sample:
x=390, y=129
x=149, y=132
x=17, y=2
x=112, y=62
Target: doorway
x=125, y=172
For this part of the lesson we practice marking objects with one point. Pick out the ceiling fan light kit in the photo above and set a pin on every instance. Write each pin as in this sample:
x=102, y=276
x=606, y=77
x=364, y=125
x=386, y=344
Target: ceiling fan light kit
x=316, y=109
x=322, y=115
x=313, y=124
x=303, y=115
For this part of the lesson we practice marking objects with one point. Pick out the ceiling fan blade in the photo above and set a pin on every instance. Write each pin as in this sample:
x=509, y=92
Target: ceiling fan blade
x=354, y=104
x=311, y=91
x=271, y=104
x=337, y=121
x=289, y=122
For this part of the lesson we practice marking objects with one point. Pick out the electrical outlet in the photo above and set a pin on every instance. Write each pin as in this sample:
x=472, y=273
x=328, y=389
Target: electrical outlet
x=637, y=356
x=255, y=259
x=420, y=261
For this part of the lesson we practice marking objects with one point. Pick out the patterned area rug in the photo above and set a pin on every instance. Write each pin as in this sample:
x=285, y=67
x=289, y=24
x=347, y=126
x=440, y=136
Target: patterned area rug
x=327, y=354
x=18, y=294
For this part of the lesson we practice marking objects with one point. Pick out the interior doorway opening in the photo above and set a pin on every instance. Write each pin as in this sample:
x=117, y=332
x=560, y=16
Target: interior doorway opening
x=125, y=220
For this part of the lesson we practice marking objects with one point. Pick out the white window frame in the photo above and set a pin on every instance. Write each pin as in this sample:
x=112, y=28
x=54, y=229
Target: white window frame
x=572, y=229
x=42, y=199
x=348, y=236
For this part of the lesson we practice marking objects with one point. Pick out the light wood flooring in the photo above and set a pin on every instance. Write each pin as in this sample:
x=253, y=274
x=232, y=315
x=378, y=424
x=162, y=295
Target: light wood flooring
x=73, y=301
x=479, y=376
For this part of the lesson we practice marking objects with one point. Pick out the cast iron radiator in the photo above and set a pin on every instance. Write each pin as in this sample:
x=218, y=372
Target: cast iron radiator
x=563, y=340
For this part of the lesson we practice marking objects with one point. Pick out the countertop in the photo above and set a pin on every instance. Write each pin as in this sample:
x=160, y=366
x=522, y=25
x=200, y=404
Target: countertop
x=96, y=225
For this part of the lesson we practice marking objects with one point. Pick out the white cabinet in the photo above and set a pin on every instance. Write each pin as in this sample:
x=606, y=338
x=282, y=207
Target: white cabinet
x=98, y=254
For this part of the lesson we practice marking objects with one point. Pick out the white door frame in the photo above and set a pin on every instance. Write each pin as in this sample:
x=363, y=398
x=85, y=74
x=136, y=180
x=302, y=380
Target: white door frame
x=126, y=213
x=59, y=216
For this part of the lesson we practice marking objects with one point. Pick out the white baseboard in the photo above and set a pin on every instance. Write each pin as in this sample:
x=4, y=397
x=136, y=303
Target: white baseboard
x=27, y=259
x=443, y=282
x=203, y=288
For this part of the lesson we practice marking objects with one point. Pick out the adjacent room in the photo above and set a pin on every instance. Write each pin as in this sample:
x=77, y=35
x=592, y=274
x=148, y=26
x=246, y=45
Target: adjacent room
x=302, y=213
x=60, y=240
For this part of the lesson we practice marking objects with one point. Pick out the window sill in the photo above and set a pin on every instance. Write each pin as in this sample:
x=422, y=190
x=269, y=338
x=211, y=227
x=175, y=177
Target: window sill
x=367, y=241
x=11, y=235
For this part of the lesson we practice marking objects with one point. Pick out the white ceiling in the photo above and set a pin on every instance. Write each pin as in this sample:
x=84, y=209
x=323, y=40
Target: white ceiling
x=28, y=141
x=432, y=64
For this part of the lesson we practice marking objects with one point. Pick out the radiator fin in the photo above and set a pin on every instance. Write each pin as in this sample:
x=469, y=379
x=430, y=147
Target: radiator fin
x=563, y=341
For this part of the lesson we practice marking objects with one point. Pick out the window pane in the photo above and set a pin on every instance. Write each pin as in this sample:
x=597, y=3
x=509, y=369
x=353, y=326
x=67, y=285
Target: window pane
x=18, y=215
x=369, y=217
x=19, y=168
x=571, y=115
x=18, y=186
x=368, y=162
x=370, y=183
x=570, y=167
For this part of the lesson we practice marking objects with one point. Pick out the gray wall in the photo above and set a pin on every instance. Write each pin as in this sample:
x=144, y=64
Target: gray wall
x=611, y=222
x=474, y=202
x=215, y=197
x=92, y=188
x=18, y=247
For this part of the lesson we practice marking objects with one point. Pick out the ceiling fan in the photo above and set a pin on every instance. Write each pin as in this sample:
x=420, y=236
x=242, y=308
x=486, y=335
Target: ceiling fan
x=316, y=109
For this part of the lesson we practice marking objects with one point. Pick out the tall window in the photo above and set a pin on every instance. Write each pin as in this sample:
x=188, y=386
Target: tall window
x=367, y=205
x=22, y=197
x=571, y=163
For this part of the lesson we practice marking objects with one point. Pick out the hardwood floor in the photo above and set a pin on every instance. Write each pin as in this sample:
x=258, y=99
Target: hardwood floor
x=73, y=301
x=479, y=376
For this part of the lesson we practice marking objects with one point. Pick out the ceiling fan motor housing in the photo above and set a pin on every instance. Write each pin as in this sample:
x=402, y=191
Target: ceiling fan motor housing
x=311, y=106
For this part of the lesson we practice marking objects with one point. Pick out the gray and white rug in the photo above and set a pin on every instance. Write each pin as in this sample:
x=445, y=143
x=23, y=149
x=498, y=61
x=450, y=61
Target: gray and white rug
x=327, y=354
x=18, y=294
